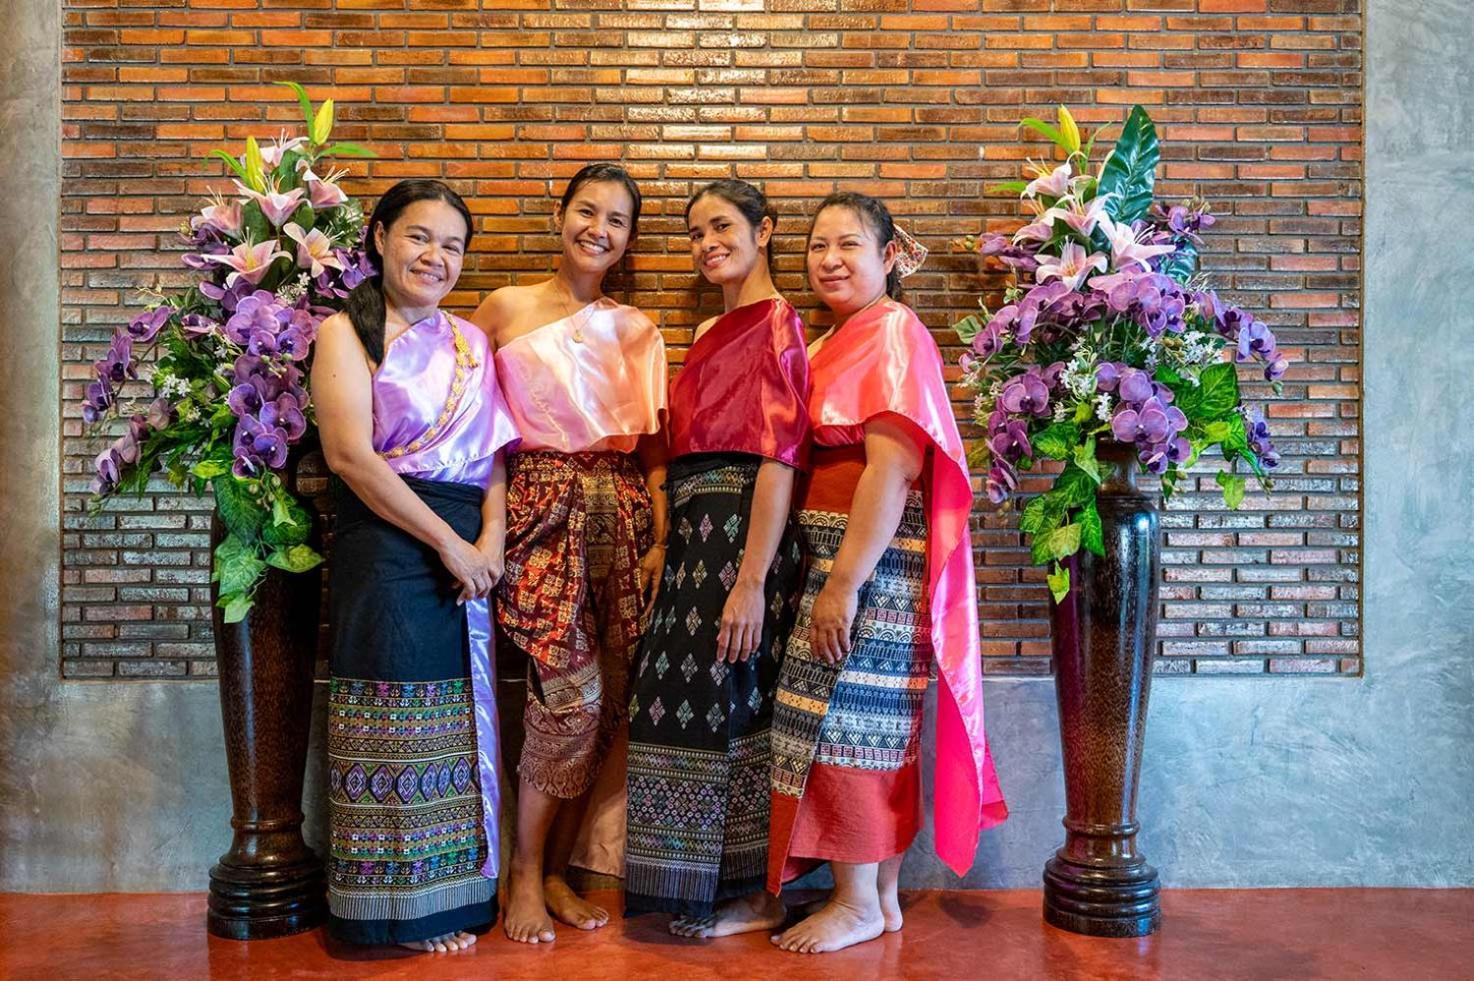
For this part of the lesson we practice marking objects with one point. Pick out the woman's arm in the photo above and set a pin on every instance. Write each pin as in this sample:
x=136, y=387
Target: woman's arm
x=494, y=518
x=893, y=460
x=342, y=394
x=742, y=616
x=653, y=456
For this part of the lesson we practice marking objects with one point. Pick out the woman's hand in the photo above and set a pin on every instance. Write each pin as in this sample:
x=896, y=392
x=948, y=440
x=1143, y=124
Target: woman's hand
x=649, y=572
x=742, y=623
x=830, y=622
x=470, y=568
x=496, y=557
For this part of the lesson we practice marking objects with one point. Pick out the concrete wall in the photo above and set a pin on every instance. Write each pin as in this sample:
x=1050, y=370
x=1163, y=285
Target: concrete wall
x=1357, y=783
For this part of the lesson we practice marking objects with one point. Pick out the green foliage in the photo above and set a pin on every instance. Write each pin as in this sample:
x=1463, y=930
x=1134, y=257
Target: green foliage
x=1059, y=582
x=1233, y=488
x=242, y=512
x=1129, y=175
x=1057, y=441
x=1056, y=544
x=1092, y=535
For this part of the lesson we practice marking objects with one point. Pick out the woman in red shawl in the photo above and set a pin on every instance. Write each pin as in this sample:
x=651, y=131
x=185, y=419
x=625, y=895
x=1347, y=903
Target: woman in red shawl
x=703, y=692
x=889, y=595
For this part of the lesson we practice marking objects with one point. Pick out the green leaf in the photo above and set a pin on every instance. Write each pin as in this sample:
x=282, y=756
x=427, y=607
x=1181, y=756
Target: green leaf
x=1042, y=514
x=236, y=606
x=297, y=558
x=1074, y=487
x=1233, y=488
x=1217, y=431
x=232, y=162
x=347, y=150
x=237, y=567
x=1085, y=459
x=303, y=100
x=1237, y=437
x=968, y=327
x=1057, y=441
x=1049, y=132
x=1083, y=412
x=1056, y=544
x=1218, y=390
x=1059, y=582
x=242, y=513
x=290, y=524
x=208, y=469
x=254, y=224
x=1092, y=535
x=1008, y=187
x=1130, y=172
x=1180, y=265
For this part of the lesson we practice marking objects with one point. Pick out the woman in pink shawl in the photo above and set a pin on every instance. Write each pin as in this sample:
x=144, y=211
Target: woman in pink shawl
x=889, y=596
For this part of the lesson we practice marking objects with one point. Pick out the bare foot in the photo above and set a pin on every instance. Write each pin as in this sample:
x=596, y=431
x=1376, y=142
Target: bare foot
x=745, y=914
x=443, y=944
x=690, y=926
x=890, y=908
x=570, y=907
x=526, y=919
x=834, y=927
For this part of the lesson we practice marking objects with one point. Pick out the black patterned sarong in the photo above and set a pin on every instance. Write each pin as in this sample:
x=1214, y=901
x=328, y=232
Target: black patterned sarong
x=404, y=802
x=698, y=755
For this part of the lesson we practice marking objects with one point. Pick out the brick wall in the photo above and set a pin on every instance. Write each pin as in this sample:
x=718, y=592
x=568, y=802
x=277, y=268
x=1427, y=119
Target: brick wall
x=1259, y=102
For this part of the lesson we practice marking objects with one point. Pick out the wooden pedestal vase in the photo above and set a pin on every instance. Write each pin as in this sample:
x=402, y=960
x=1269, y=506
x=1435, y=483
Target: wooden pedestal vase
x=1104, y=637
x=269, y=884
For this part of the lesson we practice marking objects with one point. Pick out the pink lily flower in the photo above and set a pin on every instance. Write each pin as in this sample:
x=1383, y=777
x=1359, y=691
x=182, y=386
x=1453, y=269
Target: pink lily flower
x=314, y=249
x=1055, y=183
x=1038, y=231
x=271, y=155
x=224, y=215
x=1071, y=266
x=1126, y=250
x=324, y=192
x=1082, y=219
x=275, y=205
x=250, y=262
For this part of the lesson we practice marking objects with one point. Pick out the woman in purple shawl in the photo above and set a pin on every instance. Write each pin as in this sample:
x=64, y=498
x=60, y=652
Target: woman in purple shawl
x=413, y=421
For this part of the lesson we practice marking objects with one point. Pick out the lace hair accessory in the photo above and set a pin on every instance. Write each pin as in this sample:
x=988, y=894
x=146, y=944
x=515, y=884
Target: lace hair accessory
x=911, y=254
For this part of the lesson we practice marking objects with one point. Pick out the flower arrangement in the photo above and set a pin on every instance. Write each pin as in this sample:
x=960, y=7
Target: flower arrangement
x=225, y=359
x=1108, y=333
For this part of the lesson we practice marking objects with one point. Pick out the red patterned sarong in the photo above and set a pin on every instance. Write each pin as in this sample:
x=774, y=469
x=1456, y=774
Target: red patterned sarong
x=577, y=525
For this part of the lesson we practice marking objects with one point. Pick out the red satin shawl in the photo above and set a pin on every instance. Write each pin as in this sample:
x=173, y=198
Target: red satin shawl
x=881, y=361
x=745, y=387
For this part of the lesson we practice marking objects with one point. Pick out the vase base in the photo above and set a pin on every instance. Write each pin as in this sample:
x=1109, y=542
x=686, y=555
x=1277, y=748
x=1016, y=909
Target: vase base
x=1111, y=901
x=251, y=903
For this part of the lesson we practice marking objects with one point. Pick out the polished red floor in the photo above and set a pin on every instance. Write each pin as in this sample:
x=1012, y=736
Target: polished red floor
x=1407, y=935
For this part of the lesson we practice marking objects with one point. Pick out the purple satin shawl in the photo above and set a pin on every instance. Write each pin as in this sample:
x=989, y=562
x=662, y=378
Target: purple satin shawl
x=439, y=415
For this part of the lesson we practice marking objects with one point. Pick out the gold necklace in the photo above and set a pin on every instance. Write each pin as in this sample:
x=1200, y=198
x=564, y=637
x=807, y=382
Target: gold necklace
x=571, y=311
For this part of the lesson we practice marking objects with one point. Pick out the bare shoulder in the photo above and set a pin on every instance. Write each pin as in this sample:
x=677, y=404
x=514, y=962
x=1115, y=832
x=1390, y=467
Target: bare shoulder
x=703, y=327
x=502, y=313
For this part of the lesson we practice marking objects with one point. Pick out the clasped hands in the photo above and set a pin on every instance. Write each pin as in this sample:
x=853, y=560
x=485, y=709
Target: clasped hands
x=476, y=568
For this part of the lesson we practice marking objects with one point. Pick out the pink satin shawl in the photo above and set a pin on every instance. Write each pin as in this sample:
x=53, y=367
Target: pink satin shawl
x=883, y=360
x=595, y=380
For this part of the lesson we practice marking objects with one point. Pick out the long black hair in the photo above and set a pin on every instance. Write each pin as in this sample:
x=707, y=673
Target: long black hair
x=877, y=218
x=747, y=199
x=365, y=304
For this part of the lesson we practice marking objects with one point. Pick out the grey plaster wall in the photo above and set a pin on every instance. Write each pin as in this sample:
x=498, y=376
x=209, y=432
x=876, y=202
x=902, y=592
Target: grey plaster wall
x=1269, y=782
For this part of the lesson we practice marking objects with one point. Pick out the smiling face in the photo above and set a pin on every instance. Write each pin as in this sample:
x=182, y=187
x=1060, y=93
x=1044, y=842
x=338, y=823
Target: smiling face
x=423, y=250
x=724, y=244
x=847, y=264
x=595, y=226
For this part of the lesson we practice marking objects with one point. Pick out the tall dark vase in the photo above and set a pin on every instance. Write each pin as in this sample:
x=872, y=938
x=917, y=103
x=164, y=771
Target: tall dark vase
x=1104, y=636
x=269, y=884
